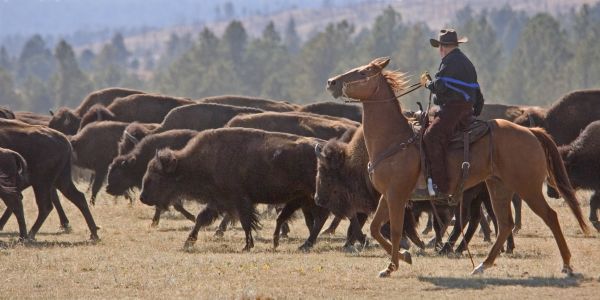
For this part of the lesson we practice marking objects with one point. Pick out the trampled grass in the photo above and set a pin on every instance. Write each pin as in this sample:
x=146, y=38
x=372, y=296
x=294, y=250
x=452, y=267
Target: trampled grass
x=134, y=260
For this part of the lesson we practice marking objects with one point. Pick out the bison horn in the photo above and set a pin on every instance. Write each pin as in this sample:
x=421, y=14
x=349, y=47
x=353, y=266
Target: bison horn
x=130, y=137
x=51, y=113
x=319, y=149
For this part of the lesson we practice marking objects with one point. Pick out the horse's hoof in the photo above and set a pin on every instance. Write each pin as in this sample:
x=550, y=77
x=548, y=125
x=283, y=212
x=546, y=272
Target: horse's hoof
x=479, y=270
x=385, y=273
x=567, y=270
x=431, y=243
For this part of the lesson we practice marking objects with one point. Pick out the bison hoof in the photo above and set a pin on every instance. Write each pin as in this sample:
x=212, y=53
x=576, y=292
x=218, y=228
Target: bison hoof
x=306, y=246
x=189, y=245
x=407, y=257
x=516, y=230
x=349, y=249
x=479, y=270
x=328, y=232
x=219, y=233
x=284, y=235
x=596, y=225
x=66, y=228
x=154, y=224
x=446, y=249
x=94, y=237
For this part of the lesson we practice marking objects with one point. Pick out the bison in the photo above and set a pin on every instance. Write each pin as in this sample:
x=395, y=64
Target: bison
x=294, y=123
x=231, y=170
x=48, y=156
x=94, y=148
x=144, y=108
x=68, y=120
x=126, y=171
x=334, y=109
x=199, y=117
x=13, y=179
x=580, y=108
x=133, y=134
x=260, y=103
x=582, y=161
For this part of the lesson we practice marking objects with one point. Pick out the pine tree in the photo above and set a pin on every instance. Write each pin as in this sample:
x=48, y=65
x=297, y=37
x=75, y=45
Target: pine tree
x=292, y=39
x=234, y=42
x=8, y=95
x=70, y=83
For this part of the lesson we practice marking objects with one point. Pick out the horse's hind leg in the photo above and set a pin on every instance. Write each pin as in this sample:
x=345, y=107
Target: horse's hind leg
x=536, y=201
x=516, y=201
x=500, y=198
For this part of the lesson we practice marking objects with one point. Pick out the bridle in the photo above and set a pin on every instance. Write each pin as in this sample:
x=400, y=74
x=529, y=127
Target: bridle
x=347, y=99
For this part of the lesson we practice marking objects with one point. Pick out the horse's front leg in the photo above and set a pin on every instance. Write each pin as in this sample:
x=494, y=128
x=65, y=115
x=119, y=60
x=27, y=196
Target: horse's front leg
x=396, y=200
x=380, y=217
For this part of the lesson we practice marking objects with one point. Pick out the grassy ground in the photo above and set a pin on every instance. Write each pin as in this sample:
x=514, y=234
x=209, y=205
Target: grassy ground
x=134, y=260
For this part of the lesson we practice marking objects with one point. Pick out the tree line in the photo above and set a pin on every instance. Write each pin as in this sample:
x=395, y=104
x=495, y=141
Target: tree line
x=520, y=59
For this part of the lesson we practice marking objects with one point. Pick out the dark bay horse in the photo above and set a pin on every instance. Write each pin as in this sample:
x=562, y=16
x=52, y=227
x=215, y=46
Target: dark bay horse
x=510, y=159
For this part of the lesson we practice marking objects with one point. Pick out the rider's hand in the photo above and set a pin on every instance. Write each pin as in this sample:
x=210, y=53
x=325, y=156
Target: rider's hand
x=425, y=78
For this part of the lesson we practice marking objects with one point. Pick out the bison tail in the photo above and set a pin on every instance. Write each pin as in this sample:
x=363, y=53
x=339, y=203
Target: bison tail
x=558, y=175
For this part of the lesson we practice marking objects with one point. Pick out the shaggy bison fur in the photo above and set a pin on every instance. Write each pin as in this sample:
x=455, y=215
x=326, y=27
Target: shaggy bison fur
x=144, y=108
x=68, y=120
x=48, y=156
x=231, y=170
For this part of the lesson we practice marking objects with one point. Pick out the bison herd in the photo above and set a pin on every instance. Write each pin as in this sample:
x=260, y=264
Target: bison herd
x=231, y=153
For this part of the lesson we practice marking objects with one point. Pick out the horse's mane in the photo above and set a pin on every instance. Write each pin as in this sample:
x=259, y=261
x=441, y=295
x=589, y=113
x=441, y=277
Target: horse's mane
x=397, y=80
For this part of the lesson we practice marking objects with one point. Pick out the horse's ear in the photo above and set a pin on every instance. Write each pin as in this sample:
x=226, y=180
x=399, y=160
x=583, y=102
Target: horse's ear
x=381, y=62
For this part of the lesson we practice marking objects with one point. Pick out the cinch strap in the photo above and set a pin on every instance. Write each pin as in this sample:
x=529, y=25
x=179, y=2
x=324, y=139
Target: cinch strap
x=448, y=81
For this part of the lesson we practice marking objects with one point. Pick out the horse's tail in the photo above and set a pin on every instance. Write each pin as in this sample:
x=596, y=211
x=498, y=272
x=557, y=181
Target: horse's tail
x=558, y=175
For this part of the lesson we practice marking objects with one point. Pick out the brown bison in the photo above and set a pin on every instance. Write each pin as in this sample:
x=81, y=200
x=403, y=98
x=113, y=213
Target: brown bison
x=568, y=116
x=67, y=120
x=144, y=108
x=127, y=171
x=582, y=161
x=260, y=103
x=6, y=113
x=334, y=109
x=294, y=123
x=48, y=156
x=13, y=179
x=199, y=117
x=133, y=134
x=94, y=148
x=231, y=170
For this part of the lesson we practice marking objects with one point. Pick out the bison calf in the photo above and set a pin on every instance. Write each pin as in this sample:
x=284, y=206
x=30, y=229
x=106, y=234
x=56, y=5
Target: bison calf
x=13, y=179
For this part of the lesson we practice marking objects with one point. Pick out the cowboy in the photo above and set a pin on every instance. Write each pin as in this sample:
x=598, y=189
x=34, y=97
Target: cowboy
x=457, y=93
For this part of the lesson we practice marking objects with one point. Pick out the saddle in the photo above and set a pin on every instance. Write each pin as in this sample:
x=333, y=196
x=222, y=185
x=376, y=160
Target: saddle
x=461, y=139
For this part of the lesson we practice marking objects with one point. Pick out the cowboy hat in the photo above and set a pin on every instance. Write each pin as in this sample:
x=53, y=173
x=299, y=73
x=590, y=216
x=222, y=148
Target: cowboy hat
x=447, y=37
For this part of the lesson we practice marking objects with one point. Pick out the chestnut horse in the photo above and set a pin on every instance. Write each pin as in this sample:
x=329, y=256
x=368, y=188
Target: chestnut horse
x=510, y=159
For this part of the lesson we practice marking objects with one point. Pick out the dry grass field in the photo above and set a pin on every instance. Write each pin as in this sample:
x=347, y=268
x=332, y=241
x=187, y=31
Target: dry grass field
x=134, y=260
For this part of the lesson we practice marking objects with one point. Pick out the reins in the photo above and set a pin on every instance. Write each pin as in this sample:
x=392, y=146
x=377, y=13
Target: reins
x=411, y=89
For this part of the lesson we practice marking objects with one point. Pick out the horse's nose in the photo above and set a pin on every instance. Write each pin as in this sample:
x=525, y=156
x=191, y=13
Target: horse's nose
x=330, y=82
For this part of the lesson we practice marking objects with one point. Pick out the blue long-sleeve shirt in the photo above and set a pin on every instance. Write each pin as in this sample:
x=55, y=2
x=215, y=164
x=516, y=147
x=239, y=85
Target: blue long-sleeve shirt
x=454, y=65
